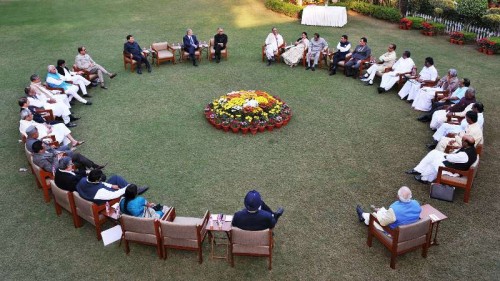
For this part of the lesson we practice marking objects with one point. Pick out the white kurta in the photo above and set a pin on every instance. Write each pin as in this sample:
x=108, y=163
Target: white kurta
x=429, y=165
x=439, y=116
x=59, y=131
x=401, y=66
x=71, y=90
x=45, y=94
x=58, y=109
x=272, y=43
x=474, y=130
x=412, y=86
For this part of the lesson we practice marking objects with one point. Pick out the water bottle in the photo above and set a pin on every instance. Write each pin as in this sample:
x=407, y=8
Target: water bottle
x=107, y=206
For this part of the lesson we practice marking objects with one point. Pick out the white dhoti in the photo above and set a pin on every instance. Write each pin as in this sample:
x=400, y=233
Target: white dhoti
x=423, y=100
x=60, y=110
x=438, y=118
x=445, y=129
x=388, y=80
x=410, y=89
x=60, y=131
x=270, y=50
x=61, y=98
x=429, y=165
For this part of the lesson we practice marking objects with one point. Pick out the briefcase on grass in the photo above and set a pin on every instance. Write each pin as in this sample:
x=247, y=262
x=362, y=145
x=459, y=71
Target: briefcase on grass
x=442, y=192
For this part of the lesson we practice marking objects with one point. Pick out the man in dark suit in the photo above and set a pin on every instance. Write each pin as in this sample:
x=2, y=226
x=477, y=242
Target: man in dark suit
x=132, y=49
x=66, y=177
x=220, y=41
x=190, y=45
x=256, y=215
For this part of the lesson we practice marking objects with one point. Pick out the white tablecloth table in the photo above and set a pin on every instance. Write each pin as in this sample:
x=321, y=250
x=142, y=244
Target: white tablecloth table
x=324, y=16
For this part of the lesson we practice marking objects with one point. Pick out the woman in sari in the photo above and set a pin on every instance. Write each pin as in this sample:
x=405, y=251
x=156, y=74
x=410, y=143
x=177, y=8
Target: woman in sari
x=293, y=56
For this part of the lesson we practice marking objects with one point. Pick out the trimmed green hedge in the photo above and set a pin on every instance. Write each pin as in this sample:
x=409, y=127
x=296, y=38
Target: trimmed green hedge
x=288, y=9
x=379, y=12
x=417, y=22
x=469, y=37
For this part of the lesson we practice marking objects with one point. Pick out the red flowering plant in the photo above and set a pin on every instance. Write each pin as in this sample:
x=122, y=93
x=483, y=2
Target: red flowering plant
x=406, y=22
x=457, y=35
x=427, y=26
x=484, y=43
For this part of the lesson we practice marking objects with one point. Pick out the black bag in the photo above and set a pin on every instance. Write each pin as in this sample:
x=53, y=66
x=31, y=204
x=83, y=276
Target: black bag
x=442, y=192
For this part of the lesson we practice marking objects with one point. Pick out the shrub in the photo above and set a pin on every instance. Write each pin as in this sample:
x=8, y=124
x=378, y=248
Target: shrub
x=438, y=27
x=379, y=12
x=472, y=10
x=469, y=37
x=492, y=20
x=496, y=41
x=283, y=8
x=493, y=11
x=417, y=22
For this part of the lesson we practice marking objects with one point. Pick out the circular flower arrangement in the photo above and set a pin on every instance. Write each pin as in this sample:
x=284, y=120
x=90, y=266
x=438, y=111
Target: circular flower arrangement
x=244, y=111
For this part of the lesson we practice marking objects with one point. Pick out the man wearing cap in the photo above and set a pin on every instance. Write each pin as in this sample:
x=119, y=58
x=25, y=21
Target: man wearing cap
x=256, y=215
x=93, y=188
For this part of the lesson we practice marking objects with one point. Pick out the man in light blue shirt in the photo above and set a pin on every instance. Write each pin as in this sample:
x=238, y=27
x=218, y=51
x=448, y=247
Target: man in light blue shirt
x=406, y=210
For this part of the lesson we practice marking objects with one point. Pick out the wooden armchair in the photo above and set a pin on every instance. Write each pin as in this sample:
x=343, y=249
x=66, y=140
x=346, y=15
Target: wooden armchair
x=252, y=243
x=404, y=238
x=438, y=95
x=197, y=54
x=184, y=233
x=464, y=181
x=163, y=52
x=64, y=199
x=281, y=49
x=47, y=114
x=91, y=212
x=211, y=52
x=403, y=77
x=87, y=75
x=143, y=231
x=322, y=57
x=43, y=178
x=128, y=60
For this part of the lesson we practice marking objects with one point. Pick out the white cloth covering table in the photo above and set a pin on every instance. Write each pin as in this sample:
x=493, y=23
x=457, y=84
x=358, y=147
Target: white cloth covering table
x=324, y=16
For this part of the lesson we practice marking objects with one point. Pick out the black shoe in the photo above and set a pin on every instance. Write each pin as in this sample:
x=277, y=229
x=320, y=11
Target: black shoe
x=278, y=213
x=70, y=125
x=360, y=212
x=405, y=98
x=139, y=71
x=409, y=101
x=307, y=68
x=419, y=179
x=424, y=118
x=369, y=83
x=332, y=72
x=412, y=172
x=217, y=61
x=149, y=69
x=113, y=75
x=313, y=69
x=355, y=74
x=104, y=87
x=380, y=90
x=268, y=62
x=88, y=103
x=87, y=96
x=142, y=189
x=431, y=146
x=72, y=118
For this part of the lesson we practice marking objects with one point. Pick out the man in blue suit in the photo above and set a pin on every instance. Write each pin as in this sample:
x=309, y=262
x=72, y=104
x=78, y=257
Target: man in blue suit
x=256, y=215
x=190, y=45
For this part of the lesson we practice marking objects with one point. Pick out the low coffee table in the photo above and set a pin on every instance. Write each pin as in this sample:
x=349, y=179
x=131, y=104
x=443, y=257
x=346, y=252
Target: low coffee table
x=436, y=217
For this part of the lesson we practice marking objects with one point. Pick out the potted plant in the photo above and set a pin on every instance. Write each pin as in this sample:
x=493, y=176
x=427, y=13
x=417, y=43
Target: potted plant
x=278, y=121
x=245, y=126
x=218, y=123
x=457, y=37
x=482, y=44
x=405, y=23
x=270, y=124
x=427, y=29
x=225, y=125
x=262, y=126
x=235, y=125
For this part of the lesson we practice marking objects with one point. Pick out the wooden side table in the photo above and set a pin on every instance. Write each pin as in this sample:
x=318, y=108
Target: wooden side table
x=217, y=238
x=436, y=217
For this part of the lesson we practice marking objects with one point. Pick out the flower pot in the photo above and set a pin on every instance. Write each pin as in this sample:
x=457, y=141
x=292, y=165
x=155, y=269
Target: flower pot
x=490, y=52
x=218, y=126
x=278, y=125
x=235, y=129
x=253, y=130
x=270, y=127
x=485, y=51
x=244, y=130
x=262, y=128
x=225, y=127
x=452, y=41
x=480, y=50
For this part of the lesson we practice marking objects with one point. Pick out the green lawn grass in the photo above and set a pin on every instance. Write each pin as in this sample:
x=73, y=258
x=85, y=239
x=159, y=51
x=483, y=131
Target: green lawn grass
x=345, y=145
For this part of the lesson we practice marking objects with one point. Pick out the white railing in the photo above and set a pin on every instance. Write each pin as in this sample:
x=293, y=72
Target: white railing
x=452, y=26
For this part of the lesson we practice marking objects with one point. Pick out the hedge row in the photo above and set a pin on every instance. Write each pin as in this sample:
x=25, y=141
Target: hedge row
x=288, y=9
x=379, y=12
